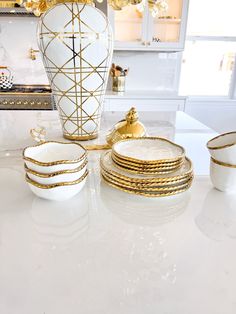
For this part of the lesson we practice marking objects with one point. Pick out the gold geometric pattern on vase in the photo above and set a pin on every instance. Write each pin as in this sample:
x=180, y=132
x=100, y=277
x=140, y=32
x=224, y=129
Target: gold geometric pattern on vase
x=76, y=45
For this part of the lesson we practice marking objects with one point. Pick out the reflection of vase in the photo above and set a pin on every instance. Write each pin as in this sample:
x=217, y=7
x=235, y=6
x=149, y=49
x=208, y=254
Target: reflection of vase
x=76, y=44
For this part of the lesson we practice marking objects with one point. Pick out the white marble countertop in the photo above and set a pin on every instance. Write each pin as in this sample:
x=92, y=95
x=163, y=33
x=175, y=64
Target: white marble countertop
x=108, y=252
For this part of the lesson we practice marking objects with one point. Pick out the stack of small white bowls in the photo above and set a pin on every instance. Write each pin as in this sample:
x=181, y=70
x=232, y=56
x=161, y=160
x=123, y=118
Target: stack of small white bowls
x=55, y=170
x=223, y=162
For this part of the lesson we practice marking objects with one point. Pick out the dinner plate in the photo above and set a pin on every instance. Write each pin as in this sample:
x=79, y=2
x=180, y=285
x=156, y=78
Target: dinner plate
x=146, y=188
x=108, y=164
x=147, y=194
x=147, y=184
x=148, y=150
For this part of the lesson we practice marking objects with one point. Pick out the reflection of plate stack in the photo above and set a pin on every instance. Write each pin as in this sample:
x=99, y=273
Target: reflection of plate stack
x=152, y=167
x=58, y=224
x=141, y=211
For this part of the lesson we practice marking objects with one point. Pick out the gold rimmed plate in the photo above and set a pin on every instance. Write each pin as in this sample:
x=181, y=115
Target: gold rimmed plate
x=145, y=193
x=147, y=165
x=140, y=185
x=108, y=165
x=148, y=150
x=147, y=188
x=146, y=170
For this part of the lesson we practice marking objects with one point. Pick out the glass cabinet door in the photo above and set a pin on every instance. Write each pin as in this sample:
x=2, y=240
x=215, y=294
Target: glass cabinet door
x=167, y=31
x=129, y=27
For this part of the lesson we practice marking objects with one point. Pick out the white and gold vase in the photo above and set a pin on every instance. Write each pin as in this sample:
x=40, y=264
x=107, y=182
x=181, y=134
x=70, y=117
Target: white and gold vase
x=76, y=44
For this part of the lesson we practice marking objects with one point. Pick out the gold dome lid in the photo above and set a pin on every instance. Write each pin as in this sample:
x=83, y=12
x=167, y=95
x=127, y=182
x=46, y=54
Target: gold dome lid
x=130, y=127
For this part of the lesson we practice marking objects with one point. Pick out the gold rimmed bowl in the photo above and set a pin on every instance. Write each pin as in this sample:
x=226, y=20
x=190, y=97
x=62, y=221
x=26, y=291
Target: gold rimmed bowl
x=148, y=151
x=57, y=191
x=57, y=177
x=49, y=157
x=223, y=148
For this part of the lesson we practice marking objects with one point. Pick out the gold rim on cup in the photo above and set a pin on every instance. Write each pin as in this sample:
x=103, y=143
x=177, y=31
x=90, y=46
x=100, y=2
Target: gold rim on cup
x=57, y=162
x=221, y=163
x=222, y=146
x=135, y=160
x=55, y=185
x=57, y=173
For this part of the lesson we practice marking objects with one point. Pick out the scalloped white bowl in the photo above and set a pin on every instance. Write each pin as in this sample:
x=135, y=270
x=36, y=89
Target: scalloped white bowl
x=52, y=156
x=58, y=193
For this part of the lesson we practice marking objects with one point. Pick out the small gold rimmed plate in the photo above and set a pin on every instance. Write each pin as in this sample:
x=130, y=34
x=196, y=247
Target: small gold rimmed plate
x=146, y=165
x=148, y=150
x=108, y=165
x=146, y=170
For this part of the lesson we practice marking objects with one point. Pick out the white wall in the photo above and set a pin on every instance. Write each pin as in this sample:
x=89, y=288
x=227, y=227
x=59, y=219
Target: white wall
x=148, y=70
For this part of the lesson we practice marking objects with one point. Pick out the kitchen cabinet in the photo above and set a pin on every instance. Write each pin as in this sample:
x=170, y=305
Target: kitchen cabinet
x=134, y=30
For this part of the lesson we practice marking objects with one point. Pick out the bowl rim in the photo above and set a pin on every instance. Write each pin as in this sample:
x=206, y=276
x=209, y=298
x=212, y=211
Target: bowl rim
x=221, y=163
x=221, y=146
x=56, y=162
x=55, y=185
x=56, y=173
x=136, y=160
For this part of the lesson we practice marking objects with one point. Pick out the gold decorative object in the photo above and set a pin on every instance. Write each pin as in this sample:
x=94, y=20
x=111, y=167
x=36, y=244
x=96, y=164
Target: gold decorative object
x=32, y=53
x=130, y=127
x=40, y=6
x=10, y=3
x=118, y=75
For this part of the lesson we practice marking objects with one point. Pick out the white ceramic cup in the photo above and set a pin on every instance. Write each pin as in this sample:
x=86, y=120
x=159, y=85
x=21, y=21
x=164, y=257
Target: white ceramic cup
x=48, y=157
x=57, y=177
x=223, y=148
x=223, y=176
x=57, y=192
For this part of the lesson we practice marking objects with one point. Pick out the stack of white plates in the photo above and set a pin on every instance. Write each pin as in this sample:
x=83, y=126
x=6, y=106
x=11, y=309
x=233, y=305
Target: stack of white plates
x=55, y=170
x=151, y=167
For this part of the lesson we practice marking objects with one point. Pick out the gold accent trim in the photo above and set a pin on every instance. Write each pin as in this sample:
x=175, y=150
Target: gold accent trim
x=168, y=179
x=149, y=166
x=140, y=171
x=57, y=162
x=80, y=137
x=222, y=146
x=97, y=147
x=147, y=194
x=147, y=183
x=55, y=185
x=54, y=174
x=135, y=160
x=160, y=188
x=221, y=163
